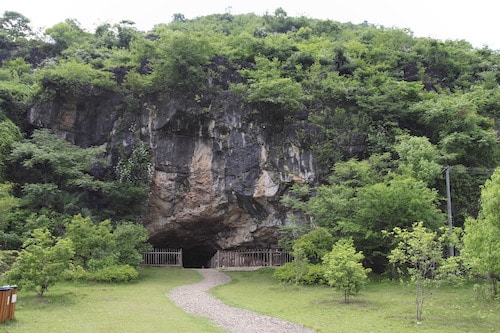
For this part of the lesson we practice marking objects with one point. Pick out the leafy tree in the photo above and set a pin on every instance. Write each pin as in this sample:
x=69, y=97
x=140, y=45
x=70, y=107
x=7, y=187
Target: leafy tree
x=15, y=26
x=9, y=133
x=418, y=158
x=73, y=78
x=131, y=241
x=343, y=269
x=41, y=262
x=419, y=253
x=181, y=68
x=315, y=244
x=92, y=242
x=399, y=202
x=7, y=203
x=482, y=235
x=53, y=171
x=66, y=34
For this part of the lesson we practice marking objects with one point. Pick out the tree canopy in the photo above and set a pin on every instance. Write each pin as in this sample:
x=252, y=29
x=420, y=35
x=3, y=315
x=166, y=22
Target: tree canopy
x=383, y=113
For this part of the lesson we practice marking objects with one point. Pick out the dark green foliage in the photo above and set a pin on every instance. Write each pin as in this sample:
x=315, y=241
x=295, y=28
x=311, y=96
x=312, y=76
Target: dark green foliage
x=381, y=110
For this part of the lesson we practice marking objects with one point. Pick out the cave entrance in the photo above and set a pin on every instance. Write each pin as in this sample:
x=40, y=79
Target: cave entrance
x=197, y=257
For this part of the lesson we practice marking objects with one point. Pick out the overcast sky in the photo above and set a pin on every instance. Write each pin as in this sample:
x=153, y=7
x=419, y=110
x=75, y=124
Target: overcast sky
x=475, y=21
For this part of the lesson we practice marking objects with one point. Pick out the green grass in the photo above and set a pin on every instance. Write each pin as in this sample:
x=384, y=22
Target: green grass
x=100, y=307
x=382, y=306
x=144, y=307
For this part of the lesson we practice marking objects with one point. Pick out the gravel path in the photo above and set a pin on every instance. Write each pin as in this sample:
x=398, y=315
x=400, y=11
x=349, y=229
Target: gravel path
x=194, y=298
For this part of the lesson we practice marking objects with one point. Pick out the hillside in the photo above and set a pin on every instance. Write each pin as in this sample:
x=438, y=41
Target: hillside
x=230, y=131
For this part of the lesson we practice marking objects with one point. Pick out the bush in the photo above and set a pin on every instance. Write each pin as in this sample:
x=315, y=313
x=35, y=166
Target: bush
x=288, y=274
x=114, y=273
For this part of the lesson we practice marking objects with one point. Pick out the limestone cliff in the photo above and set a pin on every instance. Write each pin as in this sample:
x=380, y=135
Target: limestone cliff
x=218, y=172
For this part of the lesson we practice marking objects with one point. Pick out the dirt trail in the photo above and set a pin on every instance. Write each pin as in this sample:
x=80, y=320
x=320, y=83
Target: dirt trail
x=194, y=298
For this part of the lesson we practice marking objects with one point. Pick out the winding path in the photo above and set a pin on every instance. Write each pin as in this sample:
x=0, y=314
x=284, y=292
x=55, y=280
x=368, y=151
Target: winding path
x=195, y=299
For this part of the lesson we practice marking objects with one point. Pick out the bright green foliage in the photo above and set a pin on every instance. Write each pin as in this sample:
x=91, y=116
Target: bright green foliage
x=418, y=158
x=308, y=251
x=92, y=242
x=111, y=273
x=74, y=77
x=300, y=264
x=315, y=244
x=131, y=241
x=398, y=202
x=7, y=201
x=66, y=34
x=300, y=273
x=419, y=254
x=41, y=262
x=453, y=122
x=344, y=270
x=363, y=212
x=180, y=68
x=482, y=235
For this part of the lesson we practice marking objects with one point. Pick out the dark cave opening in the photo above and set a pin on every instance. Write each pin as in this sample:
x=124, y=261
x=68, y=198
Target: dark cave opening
x=197, y=257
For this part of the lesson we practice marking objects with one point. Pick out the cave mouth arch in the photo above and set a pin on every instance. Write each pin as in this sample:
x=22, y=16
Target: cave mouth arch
x=197, y=241
x=197, y=257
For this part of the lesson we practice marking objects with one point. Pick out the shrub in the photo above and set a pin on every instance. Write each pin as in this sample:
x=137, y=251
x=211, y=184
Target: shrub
x=287, y=274
x=114, y=273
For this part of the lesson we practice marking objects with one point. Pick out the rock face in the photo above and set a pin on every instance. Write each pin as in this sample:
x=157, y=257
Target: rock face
x=218, y=177
x=218, y=173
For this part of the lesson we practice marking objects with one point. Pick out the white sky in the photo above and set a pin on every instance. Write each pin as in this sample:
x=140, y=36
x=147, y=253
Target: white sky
x=476, y=21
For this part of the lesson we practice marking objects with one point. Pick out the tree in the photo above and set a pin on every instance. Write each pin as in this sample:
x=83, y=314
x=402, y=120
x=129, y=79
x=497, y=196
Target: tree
x=41, y=262
x=9, y=133
x=15, y=25
x=92, y=242
x=343, y=268
x=53, y=173
x=7, y=203
x=180, y=68
x=131, y=241
x=419, y=254
x=66, y=34
x=399, y=202
x=418, y=158
x=315, y=244
x=482, y=235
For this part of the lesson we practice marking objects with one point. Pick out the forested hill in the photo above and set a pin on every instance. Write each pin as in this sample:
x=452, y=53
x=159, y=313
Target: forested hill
x=374, y=106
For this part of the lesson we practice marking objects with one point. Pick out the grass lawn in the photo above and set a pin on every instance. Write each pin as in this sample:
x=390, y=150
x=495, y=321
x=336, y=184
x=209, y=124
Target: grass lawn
x=99, y=307
x=381, y=307
x=144, y=307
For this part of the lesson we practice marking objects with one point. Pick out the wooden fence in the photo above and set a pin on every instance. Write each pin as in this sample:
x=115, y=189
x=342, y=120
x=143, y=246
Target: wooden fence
x=163, y=257
x=249, y=258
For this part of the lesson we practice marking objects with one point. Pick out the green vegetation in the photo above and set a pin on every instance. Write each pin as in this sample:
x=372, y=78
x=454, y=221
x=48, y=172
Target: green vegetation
x=382, y=111
x=343, y=269
x=419, y=255
x=382, y=306
x=141, y=306
x=482, y=235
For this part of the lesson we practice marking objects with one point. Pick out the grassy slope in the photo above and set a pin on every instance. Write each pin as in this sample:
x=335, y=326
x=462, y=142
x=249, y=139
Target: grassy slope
x=381, y=307
x=137, y=307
